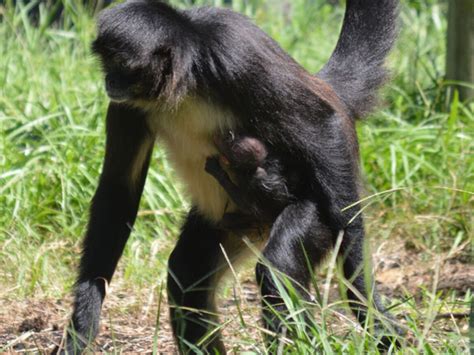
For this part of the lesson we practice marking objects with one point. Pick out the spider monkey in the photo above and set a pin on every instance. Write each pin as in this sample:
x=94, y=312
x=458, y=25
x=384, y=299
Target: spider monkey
x=183, y=76
x=257, y=182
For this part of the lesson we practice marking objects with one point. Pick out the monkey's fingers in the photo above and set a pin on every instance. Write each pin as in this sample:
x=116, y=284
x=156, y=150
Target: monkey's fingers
x=213, y=166
x=224, y=161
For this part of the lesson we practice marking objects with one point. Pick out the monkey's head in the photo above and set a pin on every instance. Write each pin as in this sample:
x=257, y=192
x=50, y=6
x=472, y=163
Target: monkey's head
x=138, y=44
x=241, y=152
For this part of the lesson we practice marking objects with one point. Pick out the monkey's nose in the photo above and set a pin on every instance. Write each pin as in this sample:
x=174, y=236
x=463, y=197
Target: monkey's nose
x=111, y=81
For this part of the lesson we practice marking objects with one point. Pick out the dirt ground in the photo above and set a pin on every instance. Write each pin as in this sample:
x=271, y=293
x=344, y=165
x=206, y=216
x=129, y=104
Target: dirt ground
x=129, y=322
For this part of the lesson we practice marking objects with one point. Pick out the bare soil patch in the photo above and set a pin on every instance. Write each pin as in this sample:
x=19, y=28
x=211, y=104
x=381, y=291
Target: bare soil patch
x=402, y=269
x=129, y=321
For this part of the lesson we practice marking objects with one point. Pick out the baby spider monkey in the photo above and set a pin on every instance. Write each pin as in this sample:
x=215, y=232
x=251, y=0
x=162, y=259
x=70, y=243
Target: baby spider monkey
x=254, y=179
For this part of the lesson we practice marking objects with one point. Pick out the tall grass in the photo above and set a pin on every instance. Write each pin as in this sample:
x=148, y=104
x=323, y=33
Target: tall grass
x=52, y=107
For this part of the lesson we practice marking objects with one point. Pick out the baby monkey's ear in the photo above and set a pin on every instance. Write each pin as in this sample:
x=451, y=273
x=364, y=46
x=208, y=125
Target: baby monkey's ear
x=224, y=138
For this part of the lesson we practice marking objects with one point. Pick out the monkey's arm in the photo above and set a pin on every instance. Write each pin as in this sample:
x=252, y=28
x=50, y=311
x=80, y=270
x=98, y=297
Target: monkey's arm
x=112, y=214
x=236, y=193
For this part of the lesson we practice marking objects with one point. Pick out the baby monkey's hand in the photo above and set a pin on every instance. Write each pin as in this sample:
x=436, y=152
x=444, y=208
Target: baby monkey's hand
x=213, y=166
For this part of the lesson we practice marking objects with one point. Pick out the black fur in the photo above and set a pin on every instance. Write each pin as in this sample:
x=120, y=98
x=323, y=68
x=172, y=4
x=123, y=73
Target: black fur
x=355, y=69
x=305, y=121
x=192, y=283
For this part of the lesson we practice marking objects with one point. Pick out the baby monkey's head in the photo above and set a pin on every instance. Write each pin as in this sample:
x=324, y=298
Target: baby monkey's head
x=141, y=48
x=241, y=152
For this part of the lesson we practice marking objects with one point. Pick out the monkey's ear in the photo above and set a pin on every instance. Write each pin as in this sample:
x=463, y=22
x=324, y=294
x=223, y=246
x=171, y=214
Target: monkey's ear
x=162, y=52
x=161, y=57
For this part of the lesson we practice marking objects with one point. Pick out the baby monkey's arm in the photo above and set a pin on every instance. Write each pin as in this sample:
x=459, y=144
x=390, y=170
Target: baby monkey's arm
x=236, y=193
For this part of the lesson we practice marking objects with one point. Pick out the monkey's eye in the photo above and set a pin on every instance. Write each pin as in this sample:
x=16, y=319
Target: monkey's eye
x=119, y=65
x=125, y=70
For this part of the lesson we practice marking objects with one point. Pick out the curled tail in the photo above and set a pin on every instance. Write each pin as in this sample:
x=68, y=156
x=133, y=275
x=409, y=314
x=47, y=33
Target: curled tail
x=356, y=67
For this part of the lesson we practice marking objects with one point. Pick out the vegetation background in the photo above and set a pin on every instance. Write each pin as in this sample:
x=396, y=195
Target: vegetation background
x=417, y=158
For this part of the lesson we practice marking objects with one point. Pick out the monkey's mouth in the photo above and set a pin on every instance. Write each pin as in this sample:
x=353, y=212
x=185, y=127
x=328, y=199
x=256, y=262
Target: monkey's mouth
x=118, y=94
x=118, y=88
x=118, y=97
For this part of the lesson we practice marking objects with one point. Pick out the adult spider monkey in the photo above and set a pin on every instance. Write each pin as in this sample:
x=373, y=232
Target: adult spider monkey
x=183, y=76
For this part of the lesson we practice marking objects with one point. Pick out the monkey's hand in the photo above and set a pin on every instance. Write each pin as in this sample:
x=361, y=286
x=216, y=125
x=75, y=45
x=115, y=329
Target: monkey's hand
x=238, y=195
x=214, y=168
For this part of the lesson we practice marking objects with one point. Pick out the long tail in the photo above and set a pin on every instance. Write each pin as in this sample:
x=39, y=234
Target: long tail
x=356, y=67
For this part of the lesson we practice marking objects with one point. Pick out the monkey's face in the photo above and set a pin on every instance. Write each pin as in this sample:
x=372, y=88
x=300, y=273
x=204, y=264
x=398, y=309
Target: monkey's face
x=129, y=74
x=123, y=85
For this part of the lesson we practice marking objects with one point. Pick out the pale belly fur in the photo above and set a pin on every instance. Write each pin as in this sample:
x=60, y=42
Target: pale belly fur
x=187, y=134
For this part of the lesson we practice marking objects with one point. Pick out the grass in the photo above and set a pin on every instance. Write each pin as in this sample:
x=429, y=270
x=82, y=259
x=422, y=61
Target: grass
x=419, y=149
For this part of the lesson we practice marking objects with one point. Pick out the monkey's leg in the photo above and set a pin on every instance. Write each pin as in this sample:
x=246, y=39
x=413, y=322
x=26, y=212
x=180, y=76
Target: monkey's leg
x=112, y=214
x=297, y=242
x=235, y=192
x=237, y=221
x=352, y=253
x=194, y=268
